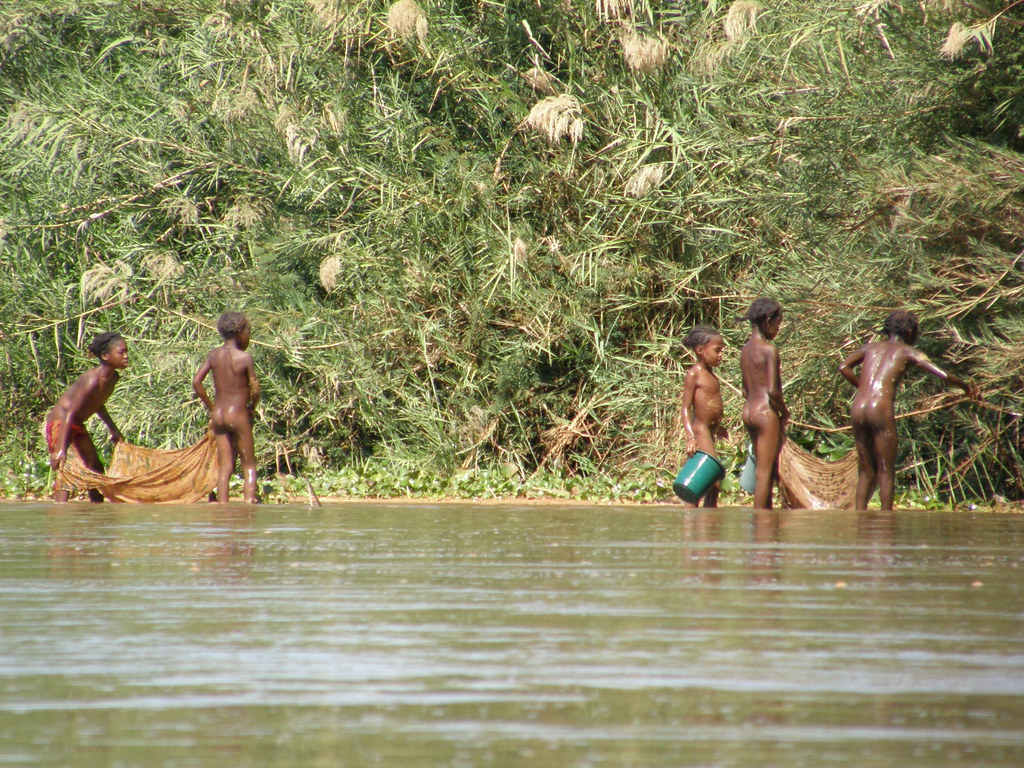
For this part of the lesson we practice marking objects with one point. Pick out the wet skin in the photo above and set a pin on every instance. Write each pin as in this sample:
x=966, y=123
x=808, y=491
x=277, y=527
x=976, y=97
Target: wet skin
x=703, y=393
x=883, y=365
x=237, y=394
x=87, y=396
x=765, y=414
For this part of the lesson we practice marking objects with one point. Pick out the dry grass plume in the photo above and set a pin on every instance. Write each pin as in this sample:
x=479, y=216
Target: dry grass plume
x=741, y=20
x=959, y=36
x=643, y=53
x=105, y=281
x=738, y=26
x=519, y=252
x=613, y=10
x=330, y=268
x=407, y=20
x=644, y=180
x=556, y=118
x=162, y=265
x=953, y=46
x=247, y=212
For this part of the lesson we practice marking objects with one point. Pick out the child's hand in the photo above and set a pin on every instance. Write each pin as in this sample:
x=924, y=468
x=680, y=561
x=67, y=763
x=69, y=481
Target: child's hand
x=57, y=460
x=691, y=446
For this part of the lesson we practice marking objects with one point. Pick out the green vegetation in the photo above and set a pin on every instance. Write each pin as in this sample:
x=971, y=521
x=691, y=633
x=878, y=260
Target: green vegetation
x=471, y=234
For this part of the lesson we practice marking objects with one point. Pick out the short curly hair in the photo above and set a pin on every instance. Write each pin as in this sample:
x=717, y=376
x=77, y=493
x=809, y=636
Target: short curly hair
x=231, y=324
x=902, y=323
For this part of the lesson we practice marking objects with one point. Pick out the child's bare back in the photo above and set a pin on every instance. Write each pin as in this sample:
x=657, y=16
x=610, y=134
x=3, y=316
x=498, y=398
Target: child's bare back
x=233, y=377
x=873, y=412
x=883, y=365
x=237, y=393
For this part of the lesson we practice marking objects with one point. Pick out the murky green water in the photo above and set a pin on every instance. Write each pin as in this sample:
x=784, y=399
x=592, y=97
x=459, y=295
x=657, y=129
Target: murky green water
x=421, y=635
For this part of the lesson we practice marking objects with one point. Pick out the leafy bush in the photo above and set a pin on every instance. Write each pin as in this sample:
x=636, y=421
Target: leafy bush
x=440, y=285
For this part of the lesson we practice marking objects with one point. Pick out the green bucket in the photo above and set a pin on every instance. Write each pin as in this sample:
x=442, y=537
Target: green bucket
x=698, y=475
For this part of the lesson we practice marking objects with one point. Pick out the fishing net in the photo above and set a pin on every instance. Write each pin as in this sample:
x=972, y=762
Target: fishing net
x=146, y=475
x=808, y=482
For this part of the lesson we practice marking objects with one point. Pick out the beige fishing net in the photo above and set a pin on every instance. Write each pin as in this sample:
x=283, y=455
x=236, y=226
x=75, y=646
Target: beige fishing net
x=807, y=482
x=147, y=475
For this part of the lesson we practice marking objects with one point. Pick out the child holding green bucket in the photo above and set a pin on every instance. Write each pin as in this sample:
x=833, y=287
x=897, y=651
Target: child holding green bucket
x=765, y=414
x=883, y=364
x=703, y=394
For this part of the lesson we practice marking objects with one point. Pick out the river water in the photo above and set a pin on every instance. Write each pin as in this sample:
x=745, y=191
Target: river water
x=416, y=635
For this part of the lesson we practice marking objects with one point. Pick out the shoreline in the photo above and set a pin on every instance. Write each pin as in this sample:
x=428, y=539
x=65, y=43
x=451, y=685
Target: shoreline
x=1002, y=507
x=1010, y=507
x=504, y=500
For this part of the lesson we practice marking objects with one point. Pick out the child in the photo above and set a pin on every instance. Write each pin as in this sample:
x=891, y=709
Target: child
x=702, y=391
x=765, y=414
x=873, y=411
x=65, y=424
x=237, y=393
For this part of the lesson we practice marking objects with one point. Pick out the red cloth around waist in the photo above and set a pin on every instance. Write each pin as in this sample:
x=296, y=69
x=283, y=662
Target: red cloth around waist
x=51, y=433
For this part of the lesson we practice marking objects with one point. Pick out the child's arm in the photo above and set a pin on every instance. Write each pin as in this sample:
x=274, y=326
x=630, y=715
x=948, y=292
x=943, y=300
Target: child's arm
x=846, y=369
x=254, y=385
x=921, y=360
x=115, y=433
x=63, y=438
x=197, y=384
x=775, y=397
x=689, y=390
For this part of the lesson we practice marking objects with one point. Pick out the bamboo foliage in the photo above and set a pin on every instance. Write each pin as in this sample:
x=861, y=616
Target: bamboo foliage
x=430, y=285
